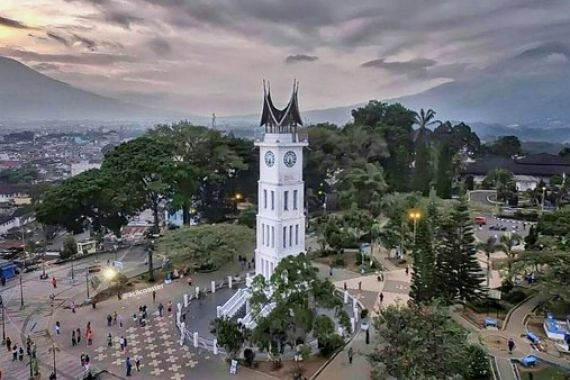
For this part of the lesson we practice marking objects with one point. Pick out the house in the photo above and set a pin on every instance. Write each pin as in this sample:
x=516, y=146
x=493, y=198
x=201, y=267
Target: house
x=528, y=171
x=18, y=218
x=11, y=193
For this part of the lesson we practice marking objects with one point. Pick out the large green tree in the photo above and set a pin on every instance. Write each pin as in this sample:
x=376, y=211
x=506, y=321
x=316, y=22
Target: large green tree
x=459, y=271
x=362, y=187
x=424, y=343
x=506, y=146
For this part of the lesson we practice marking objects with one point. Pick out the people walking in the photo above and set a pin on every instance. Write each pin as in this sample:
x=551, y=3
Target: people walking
x=359, y=286
x=122, y=343
x=160, y=309
x=90, y=338
x=153, y=296
x=57, y=327
x=15, y=353
x=109, y=320
x=381, y=297
x=115, y=318
x=350, y=355
x=511, y=345
x=73, y=339
x=54, y=282
x=120, y=320
x=407, y=270
x=21, y=354
x=169, y=307
x=129, y=366
x=138, y=363
x=109, y=340
x=73, y=307
x=8, y=344
x=78, y=335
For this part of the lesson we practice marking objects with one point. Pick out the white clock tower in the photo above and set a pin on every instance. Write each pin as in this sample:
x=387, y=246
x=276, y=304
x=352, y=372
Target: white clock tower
x=280, y=216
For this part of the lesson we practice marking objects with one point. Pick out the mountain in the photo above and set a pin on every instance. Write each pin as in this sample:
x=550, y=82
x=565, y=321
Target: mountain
x=26, y=94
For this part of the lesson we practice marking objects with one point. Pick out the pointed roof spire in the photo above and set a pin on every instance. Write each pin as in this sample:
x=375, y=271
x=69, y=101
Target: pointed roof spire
x=273, y=116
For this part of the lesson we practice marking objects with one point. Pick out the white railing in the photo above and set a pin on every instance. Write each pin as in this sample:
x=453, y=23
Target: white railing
x=249, y=321
x=232, y=306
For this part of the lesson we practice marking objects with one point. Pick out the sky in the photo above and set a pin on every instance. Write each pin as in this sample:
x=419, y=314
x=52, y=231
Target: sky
x=205, y=56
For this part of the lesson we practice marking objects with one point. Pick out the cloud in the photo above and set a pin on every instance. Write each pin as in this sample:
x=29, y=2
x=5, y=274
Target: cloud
x=58, y=38
x=97, y=59
x=160, y=46
x=11, y=23
x=292, y=59
x=87, y=42
x=414, y=67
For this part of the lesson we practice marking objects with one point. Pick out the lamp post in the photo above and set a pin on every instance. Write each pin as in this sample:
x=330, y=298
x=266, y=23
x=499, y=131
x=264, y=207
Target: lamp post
x=87, y=282
x=72, y=269
x=3, y=323
x=415, y=216
x=53, y=349
x=111, y=274
x=21, y=291
x=543, y=194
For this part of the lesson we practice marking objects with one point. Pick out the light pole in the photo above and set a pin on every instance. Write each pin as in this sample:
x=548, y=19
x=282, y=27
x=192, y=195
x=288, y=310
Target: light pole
x=543, y=194
x=111, y=274
x=87, y=282
x=3, y=323
x=53, y=349
x=72, y=269
x=21, y=291
x=415, y=216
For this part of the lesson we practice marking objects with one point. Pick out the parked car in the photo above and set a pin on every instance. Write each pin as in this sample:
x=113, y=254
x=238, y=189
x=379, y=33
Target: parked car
x=480, y=220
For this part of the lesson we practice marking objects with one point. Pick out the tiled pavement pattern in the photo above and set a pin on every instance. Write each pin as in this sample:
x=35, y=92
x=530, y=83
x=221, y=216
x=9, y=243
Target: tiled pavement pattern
x=160, y=353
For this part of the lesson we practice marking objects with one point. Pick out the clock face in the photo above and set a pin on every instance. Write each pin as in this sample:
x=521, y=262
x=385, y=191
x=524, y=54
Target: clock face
x=289, y=159
x=269, y=158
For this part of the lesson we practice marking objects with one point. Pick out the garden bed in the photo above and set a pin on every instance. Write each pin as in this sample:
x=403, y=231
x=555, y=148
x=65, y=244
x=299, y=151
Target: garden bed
x=290, y=368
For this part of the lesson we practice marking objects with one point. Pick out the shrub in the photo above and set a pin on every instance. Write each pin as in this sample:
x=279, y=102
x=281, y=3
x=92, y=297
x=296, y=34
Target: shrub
x=323, y=326
x=339, y=261
x=477, y=365
x=514, y=296
x=329, y=344
x=249, y=356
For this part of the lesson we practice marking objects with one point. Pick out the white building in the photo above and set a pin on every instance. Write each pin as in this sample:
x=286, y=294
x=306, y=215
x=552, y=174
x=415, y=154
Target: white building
x=280, y=216
x=82, y=166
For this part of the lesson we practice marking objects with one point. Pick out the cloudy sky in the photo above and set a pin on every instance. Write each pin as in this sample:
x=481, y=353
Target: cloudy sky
x=207, y=56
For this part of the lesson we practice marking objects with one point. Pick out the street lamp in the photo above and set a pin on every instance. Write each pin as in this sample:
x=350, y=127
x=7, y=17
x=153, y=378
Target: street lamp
x=415, y=216
x=543, y=193
x=111, y=274
x=3, y=323
x=87, y=282
x=21, y=290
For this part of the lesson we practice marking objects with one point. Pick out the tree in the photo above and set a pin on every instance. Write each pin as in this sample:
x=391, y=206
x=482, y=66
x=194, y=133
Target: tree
x=214, y=160
x=507, y=242
x=297, y=293
x=248, y=217
x=444, y=175
x=323, y=326
x=424, y=343
x=506, y=146
x=393, y=123
x=69, y=247
x=457, y=265
x=149, y=171
x=206, y=247
x=362, y=187
x=423, y=160
x=93, y=198
x=502, y=180
x=489, y=247
x=230, y=335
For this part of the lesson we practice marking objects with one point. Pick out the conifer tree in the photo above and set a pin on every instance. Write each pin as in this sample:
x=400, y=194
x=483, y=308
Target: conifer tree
x=467, y=275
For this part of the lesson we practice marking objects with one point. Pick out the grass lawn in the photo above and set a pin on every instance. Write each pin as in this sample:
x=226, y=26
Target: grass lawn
x=544, y=372
x=206, y=247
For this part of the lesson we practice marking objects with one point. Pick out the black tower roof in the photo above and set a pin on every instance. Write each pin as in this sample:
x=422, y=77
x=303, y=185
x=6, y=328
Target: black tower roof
x=280, y=120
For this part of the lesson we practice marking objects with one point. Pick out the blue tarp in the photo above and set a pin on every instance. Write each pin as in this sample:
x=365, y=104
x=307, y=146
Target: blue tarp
x=529, y=361
x=7, y=270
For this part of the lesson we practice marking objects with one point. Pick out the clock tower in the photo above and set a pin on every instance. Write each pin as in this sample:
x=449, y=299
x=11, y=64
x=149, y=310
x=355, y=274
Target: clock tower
x=280, y=215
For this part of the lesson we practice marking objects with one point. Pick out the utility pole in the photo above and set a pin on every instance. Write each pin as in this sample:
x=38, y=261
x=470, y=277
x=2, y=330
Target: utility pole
x=3, y=318
x=72, y=269
x=87, y=282
x=21, y=292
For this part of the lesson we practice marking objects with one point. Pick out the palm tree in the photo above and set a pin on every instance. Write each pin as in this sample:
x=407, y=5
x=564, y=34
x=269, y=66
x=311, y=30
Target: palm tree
x=508, y=242
x=425, y=118
x=490, y=246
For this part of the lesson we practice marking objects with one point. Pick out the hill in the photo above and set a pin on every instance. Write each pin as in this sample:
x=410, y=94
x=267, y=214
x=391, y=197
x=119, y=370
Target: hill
x=26, y=94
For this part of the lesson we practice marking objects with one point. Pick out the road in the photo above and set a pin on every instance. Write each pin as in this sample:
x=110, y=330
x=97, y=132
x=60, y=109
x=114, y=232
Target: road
x=31, y=320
